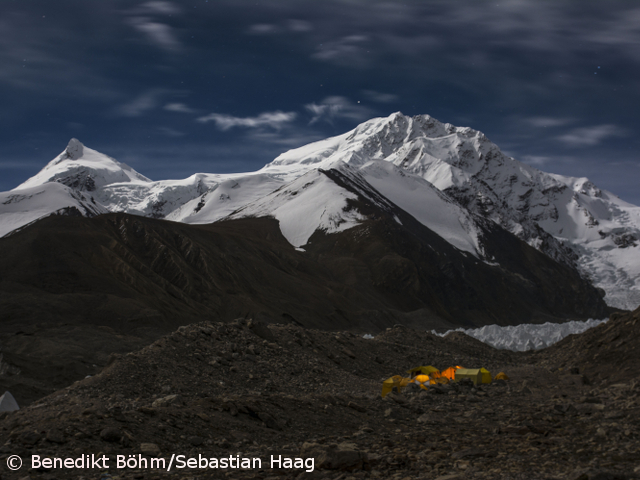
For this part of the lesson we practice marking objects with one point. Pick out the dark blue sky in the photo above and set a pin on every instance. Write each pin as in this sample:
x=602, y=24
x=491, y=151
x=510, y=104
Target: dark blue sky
x=175, y=88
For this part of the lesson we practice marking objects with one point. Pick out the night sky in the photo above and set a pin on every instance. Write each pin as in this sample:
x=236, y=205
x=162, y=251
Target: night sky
x=175, y=88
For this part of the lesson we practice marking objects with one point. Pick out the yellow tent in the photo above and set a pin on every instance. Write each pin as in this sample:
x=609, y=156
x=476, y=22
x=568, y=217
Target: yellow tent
x=486, y=375
x=450, y=372
x=474, y=374
x=425, y=370
x=501, y=376
x=396, y=382
x=423, y=381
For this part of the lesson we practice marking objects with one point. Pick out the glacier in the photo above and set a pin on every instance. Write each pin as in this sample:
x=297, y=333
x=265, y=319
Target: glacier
x=525, y=337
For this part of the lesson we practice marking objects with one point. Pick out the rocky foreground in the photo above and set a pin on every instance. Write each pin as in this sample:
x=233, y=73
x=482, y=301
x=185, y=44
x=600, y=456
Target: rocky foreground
x=245, y=390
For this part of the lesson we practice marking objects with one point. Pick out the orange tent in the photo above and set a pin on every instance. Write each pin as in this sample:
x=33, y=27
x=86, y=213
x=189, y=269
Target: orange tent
x=450, y=372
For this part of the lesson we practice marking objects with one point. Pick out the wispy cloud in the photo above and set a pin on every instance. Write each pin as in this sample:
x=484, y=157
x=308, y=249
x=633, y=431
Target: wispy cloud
x=146, y=19
x=380, y=97
x=179, y=108
x=273, y=120
x=141, y=104
x=346, y=51
x=335, y=107
x=291, y=25
x=542, y=122
x=159, y=34
x=289, y=138
x=299, y=25
x=263, y=29
x=158, y=7
x=590, y=136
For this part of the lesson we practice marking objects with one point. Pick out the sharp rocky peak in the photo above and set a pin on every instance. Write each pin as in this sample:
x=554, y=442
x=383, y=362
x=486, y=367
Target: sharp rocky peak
x=74, y=150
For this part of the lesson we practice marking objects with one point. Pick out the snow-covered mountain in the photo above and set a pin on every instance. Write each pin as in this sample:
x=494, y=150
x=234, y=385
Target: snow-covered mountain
x=450, y=179
x=24, y=206
x=570, y=219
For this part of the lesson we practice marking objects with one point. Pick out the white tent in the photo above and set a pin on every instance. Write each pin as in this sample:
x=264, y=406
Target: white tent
x=8, y=403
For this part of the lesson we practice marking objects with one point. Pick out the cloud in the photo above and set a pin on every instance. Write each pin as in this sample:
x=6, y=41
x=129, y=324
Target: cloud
x=348, y=51
x=290, y=138
x=299, y=26
x=590, y=136
x=141, y=104
x=144, y=18
x=380, y=97
x=293, y=25
x=542, y=122
x=159, y=34
x=158, y=7
x=335, y=107
x=263, y=29
x=274, y=120
x=178, y=107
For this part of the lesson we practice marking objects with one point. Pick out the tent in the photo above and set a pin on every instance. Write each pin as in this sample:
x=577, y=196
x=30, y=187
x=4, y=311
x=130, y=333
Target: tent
x=450, y=372
x=423, y=381
x=396, y=382
x=8, y=403
x=425, y=370
x=474, y=374
x=501, y=376
x=486, y=375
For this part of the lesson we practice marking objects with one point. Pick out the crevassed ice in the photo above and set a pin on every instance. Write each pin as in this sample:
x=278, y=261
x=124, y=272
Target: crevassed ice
x=527, y=336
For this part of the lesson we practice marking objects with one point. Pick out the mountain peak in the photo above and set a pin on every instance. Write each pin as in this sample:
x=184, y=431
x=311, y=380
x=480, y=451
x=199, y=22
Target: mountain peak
x=75, y=149
x=83, y=169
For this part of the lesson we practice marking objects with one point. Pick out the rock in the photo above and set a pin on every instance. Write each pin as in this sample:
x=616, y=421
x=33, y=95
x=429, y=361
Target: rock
x=269, y=421
x=392, y=413
x=29, y=438
x=348, y=353
x=166, y=401
x=195, y=440
x=150, y=449
x=356, y=407
x=592, y=474
x=262, y=330
x=55, y=436
x=436, y=389
x=345, y=456
x=111, y=435
x=399, y=399
x=469, y=452
x=425, y=418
